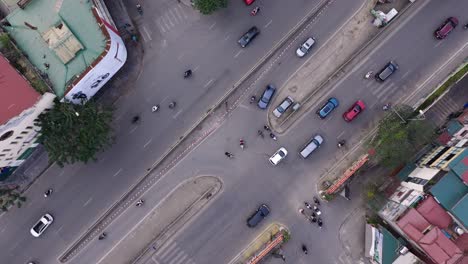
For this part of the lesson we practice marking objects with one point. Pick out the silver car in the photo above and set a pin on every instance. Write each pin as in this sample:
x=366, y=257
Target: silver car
x=287, y=102
x=305, y=47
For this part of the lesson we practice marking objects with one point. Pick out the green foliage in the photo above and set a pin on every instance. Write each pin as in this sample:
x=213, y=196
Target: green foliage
x=398, y=137
x=207, y=7
x=286, y=235
x=446, y=85
x=10, y=197
x=75, y=132
x=39, y=85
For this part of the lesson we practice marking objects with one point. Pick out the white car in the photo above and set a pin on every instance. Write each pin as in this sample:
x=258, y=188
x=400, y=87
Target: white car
x=305, y=47
x=278, y=156
x=41, y=225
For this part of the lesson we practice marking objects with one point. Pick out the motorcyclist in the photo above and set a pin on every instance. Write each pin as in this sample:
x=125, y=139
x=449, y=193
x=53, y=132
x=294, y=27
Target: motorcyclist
x=140, y=203
x=273, y=136
x=316, y=201
x=48, y=192
x=368, y=74
x=260, y=133
x=228, y=154
x=252, y=99
x=319, y=222
x=341, y=143
x=155, y=108
x=135, y=119
x=304, y=249
x=102, y=236
x=308, y=205
x=187, y=73
x=242, y=143
x=266, y=127
x=255, y=10
x=172, y=104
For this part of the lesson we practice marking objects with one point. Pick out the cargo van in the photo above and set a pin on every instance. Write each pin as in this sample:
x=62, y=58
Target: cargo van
x=313, y=144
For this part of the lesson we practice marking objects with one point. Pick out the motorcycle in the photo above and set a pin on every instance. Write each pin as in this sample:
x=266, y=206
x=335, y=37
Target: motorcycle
x=317, y=210
x=316, y=201
x=267, y=128
x=229, y=155
x=48, y=192
x=139, y=9
x=135, y=119
x=242, y=143
x=319, y=222
x=260, y=133
x=172, y=105
x=465, y=26
x=368, y=75
x=304, y=249
x=386, y=107
x=341, y=143
x=252, y=99
x=139, y=203
x=155, y=108
x=255, y=11
x=187, y=73
x=308, y=205
x=102, y=236
x=273, y=136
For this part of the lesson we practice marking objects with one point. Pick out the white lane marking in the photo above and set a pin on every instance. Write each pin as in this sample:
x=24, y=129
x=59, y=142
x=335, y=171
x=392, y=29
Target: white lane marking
x=175, y=116
x=131, y=131
x=117, y=173
x=87, y=202
x=269, y=23
x=212, y=25
x=147, y=33
x=168, y=19
x=59, y=229
x=149, y=141
x=438, y=44
x=208, y=83
x=196, y=68
x=180, y=56
x=238, y=53
x=170, y=11
x=342, y=133
x=178, y=13
x=162, y=25
x=227, y=37
x=164, y=43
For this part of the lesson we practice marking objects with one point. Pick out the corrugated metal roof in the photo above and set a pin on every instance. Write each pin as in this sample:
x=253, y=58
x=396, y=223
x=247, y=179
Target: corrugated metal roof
x=16, y=95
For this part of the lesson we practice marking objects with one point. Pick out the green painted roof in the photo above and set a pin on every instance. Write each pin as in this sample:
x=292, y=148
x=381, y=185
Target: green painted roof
x=451, y=193
x=390, y=247
x=45, y=14
x=459, y=165
x=406, y=171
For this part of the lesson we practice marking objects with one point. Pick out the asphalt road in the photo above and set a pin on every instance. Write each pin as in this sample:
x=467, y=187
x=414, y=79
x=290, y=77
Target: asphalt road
x=83, y=193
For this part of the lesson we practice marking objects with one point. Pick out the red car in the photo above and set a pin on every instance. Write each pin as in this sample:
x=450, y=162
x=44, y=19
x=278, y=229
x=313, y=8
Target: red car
x=448, y=26
x=354, y=111
x=249, y=2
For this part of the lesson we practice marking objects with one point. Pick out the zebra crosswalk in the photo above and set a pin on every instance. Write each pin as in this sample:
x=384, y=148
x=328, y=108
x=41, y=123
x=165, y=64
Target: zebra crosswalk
x=170, y=253
x=175, y=16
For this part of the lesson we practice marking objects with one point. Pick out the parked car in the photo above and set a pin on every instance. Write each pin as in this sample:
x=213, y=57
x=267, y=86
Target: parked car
x=248, y=36
x=41, y=225
x=279, y=155
x=354, y=111
x=311, y=146
x=287, y=102
x=305, y=47
x=449, y=25
x=328, y=107
x=258, y=216
x=265, y=99
x=388, y=70
x=249, y=2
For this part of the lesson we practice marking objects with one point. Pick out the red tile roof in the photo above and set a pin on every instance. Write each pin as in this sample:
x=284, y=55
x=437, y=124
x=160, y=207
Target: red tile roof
x=422, y=226
x=434, y=213
x=16, y=94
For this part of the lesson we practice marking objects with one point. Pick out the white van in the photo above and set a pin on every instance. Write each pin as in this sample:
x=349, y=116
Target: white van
x=313, y=144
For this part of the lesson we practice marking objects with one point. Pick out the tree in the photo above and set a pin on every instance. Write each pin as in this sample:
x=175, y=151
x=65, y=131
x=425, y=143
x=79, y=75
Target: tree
x=399, y=137
x=75, y=132
x=10, y=197
x=207, y=7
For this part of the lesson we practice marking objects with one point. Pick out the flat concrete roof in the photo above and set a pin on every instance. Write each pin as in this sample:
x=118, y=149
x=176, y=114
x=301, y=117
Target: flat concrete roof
x=78, y=36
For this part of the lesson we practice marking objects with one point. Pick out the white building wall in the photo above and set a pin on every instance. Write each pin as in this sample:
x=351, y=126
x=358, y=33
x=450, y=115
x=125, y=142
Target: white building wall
x=24, y=132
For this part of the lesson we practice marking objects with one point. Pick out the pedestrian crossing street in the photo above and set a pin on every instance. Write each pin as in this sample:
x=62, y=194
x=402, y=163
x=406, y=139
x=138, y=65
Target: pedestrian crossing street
x=170, y=253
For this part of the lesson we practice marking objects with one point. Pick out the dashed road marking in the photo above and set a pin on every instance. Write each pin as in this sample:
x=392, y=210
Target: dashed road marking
x=267, y=24
x=212, y=25
x=238, y=53
x=208, y=83
x=117, y=173
x=87, y=202
x=147, y=143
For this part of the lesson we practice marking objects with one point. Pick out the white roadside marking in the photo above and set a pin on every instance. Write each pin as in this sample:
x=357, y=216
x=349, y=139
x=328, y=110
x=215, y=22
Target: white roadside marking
x=212, y=25
x=269, y=23
x=87, y=202
x=208, y=83
x=175, y=116
x=131, y=131
x=149, y=141
x=227, y=37
x=117, y=173
x=238, y=53
x=147, y=33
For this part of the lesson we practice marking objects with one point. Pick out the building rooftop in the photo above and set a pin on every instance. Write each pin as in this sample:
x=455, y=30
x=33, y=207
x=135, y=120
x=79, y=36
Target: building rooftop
x=17, y=94
x=425, y=225
x=460, y=166
x=61, y=38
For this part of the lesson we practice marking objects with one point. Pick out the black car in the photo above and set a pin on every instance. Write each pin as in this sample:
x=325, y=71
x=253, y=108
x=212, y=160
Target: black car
x=258, y=216
x=388, y=70
x=248, y=36
x=266, y=97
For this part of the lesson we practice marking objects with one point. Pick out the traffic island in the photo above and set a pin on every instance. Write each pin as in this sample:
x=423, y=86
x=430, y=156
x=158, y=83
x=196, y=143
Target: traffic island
x=267, y=244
